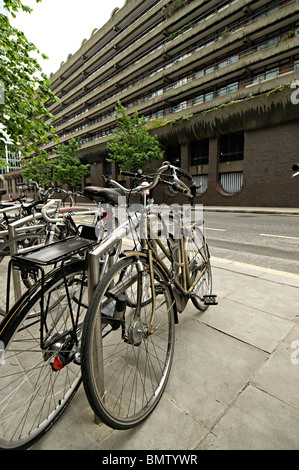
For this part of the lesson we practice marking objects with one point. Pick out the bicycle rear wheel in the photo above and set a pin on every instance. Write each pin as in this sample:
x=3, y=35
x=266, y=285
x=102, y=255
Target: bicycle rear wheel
x=126, y=361
x=38, y=379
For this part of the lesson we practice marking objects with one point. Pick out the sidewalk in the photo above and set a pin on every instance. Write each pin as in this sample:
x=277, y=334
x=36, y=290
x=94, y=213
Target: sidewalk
x=234, y=382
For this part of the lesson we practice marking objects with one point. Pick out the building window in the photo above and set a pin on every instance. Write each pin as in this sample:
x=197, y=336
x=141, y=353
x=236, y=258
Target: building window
x=203, y=181
x=200, y=152
x=108, y=168
x=232, y=147
x=173, y=155
x=12, y=157
x=231, y=183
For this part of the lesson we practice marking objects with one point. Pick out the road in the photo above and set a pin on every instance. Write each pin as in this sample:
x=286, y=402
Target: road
x=266, y=240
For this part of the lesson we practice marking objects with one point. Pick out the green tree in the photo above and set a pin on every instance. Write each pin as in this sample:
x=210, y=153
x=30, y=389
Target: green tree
x=38, y=170
x=67, y=168
x=132, y=146
x=23, y=115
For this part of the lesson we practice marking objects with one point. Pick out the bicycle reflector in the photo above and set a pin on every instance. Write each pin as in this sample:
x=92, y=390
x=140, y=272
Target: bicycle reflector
x=58, y=364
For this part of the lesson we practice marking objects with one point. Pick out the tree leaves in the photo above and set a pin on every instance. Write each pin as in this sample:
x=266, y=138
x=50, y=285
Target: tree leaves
x=23, y=114
x=132, y=146
x=38, y=170
x=67, y=168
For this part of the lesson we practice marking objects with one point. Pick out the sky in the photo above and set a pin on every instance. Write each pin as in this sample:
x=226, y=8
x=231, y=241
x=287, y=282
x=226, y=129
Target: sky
x=58, y=27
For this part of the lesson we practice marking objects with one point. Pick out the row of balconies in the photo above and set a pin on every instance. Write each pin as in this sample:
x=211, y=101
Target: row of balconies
x=227, y=42
x=119, y=53
x=96, y=133
x=196, y=81
x=235, y=66
x=201, y=56
x=104, y=41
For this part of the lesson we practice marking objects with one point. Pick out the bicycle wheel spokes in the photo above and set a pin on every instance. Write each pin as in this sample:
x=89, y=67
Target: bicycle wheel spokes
x=125, y=368
x=37, y=383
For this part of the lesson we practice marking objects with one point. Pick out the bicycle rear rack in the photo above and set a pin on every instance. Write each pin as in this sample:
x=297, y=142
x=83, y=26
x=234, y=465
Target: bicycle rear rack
x=35, y=259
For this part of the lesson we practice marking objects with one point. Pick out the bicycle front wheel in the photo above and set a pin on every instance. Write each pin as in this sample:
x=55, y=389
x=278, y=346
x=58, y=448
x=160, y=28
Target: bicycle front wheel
x=39, y=377
x=199, y=267
x=127, y=353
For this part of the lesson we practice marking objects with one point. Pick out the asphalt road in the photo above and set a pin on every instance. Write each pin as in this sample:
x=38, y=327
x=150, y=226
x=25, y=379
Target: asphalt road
x=266, y=240
x=269, y=241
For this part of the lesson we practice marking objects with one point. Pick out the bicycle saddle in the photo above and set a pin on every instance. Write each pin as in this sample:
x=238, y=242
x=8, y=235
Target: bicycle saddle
x=109, y=195
x=2, y=192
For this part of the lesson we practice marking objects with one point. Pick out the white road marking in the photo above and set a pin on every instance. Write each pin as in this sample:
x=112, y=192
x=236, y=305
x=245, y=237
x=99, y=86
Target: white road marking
x=278, y=236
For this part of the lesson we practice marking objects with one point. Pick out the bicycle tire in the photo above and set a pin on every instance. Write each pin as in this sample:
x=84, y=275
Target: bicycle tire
x=199, y=261
x=136, y=364
x=33, y=392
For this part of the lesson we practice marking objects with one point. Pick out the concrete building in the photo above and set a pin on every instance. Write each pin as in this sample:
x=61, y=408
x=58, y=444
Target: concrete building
x=216, y=81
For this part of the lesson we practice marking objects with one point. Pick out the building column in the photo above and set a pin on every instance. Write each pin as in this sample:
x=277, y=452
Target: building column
x=96, y=173
x=185, y=156
x=213, y=164
x=114, y=171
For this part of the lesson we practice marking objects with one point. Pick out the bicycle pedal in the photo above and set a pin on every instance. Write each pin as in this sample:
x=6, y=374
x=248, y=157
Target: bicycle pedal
x=210, y=299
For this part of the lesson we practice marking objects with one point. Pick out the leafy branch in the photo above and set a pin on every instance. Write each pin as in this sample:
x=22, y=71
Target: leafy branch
x=23, y=115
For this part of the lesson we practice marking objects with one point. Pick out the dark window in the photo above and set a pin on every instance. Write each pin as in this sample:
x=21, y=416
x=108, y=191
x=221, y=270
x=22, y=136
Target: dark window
x=173, y=155
x=200, y=152
x=108, y=168
x=232, y=147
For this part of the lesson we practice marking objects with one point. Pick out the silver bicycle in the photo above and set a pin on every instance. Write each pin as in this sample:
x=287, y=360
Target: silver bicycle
x=43, y=336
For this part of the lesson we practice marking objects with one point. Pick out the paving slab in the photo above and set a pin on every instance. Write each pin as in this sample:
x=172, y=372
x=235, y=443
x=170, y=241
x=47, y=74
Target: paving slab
x=255, y=421
x=251, y=325
x=210, y=369
x=279, y=376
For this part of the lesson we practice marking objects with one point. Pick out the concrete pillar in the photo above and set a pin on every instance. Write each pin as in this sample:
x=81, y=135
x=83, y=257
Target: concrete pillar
x=96, y=173
x=185, y=156
x=213, y=163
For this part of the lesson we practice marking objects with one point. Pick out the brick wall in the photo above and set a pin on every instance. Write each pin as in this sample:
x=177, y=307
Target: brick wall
x=269, y=154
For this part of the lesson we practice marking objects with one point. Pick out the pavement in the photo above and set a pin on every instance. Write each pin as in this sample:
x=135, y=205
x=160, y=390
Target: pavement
x=234, y=381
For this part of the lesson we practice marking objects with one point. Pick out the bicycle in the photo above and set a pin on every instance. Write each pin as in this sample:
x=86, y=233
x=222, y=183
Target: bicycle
x=42, y=333
x=53, y=223
x=23, y=206
x=128, y=332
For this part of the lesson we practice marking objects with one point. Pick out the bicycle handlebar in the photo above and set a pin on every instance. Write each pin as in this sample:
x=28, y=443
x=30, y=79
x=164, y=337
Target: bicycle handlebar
x=45, y=211
x=176, y=187
x=295, y=168
x=131, y=174
x=175, y=171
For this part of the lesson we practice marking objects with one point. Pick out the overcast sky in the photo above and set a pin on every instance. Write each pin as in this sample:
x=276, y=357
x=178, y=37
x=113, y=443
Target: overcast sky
x=57, y=27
